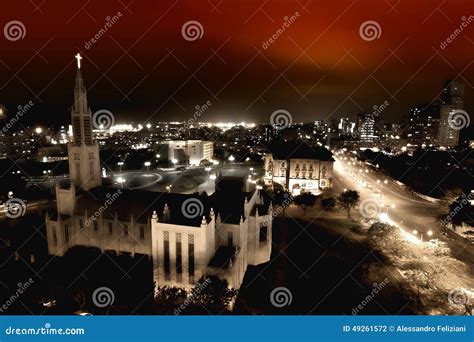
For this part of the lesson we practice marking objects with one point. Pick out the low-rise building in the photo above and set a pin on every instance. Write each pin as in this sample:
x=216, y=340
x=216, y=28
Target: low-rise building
x=299, y=168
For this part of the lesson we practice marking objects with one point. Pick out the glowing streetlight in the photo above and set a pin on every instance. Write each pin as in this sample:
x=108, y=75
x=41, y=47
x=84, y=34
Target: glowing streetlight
x=147, y=164
x=231, y=158
x=38, y=130
x=120, y=164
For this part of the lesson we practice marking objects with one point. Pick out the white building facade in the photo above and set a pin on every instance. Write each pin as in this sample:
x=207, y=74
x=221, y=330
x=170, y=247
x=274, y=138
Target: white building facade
x=190, y=151
x=302, y=171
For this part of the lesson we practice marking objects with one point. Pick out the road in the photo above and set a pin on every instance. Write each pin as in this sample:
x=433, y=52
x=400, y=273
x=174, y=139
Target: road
x=382, y=195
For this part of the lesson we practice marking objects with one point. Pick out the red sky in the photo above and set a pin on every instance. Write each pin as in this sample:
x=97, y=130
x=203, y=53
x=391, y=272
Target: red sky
x=319, y=67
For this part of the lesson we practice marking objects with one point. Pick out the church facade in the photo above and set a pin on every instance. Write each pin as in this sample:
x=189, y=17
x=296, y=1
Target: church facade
x=185, y=236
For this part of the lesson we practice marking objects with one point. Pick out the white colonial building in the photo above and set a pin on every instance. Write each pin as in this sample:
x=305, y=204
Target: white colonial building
x=186, y=236
x=299, y=168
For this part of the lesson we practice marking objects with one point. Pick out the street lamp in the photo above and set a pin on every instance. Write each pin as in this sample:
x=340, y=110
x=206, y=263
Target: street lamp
x=147, y=164
x=120, y=163
x=429, y=233
x=121, y=181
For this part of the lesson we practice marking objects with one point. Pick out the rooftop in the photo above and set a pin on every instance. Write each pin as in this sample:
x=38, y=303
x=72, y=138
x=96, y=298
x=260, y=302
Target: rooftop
x=298, y=150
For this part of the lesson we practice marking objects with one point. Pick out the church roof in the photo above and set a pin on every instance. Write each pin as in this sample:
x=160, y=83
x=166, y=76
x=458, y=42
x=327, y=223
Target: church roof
x=183, y=209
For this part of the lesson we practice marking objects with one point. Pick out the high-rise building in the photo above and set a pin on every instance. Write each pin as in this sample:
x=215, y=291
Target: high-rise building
x=366, y=127
x=422, y=125
x=452, y=100
x=345, y=126
x=83, y=150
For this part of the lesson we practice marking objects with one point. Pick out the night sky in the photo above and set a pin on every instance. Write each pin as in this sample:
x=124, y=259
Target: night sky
x=143, y=69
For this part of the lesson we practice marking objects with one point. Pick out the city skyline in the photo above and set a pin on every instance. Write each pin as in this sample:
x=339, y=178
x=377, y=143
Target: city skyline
x=237, y=158
x=317, y=68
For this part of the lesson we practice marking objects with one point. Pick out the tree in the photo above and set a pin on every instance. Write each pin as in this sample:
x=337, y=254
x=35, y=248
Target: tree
x=328, y=204
x=212, y=295
x=283, y=199
x=387, y=238
x=305, y=200
x=461, y=210
x=168, y=298
x=348, y=200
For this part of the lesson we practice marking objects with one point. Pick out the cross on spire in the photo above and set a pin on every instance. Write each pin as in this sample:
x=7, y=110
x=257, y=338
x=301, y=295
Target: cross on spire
x=78, y=57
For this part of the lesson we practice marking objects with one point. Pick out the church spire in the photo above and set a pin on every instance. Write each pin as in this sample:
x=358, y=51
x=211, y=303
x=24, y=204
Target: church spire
x=83, y=151
x=81, y=114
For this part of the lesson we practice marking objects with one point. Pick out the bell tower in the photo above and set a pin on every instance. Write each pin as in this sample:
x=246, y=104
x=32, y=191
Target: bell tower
x=83, y=150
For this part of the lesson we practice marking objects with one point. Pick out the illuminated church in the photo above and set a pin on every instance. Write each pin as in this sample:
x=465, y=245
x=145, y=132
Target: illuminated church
x=185, y=236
